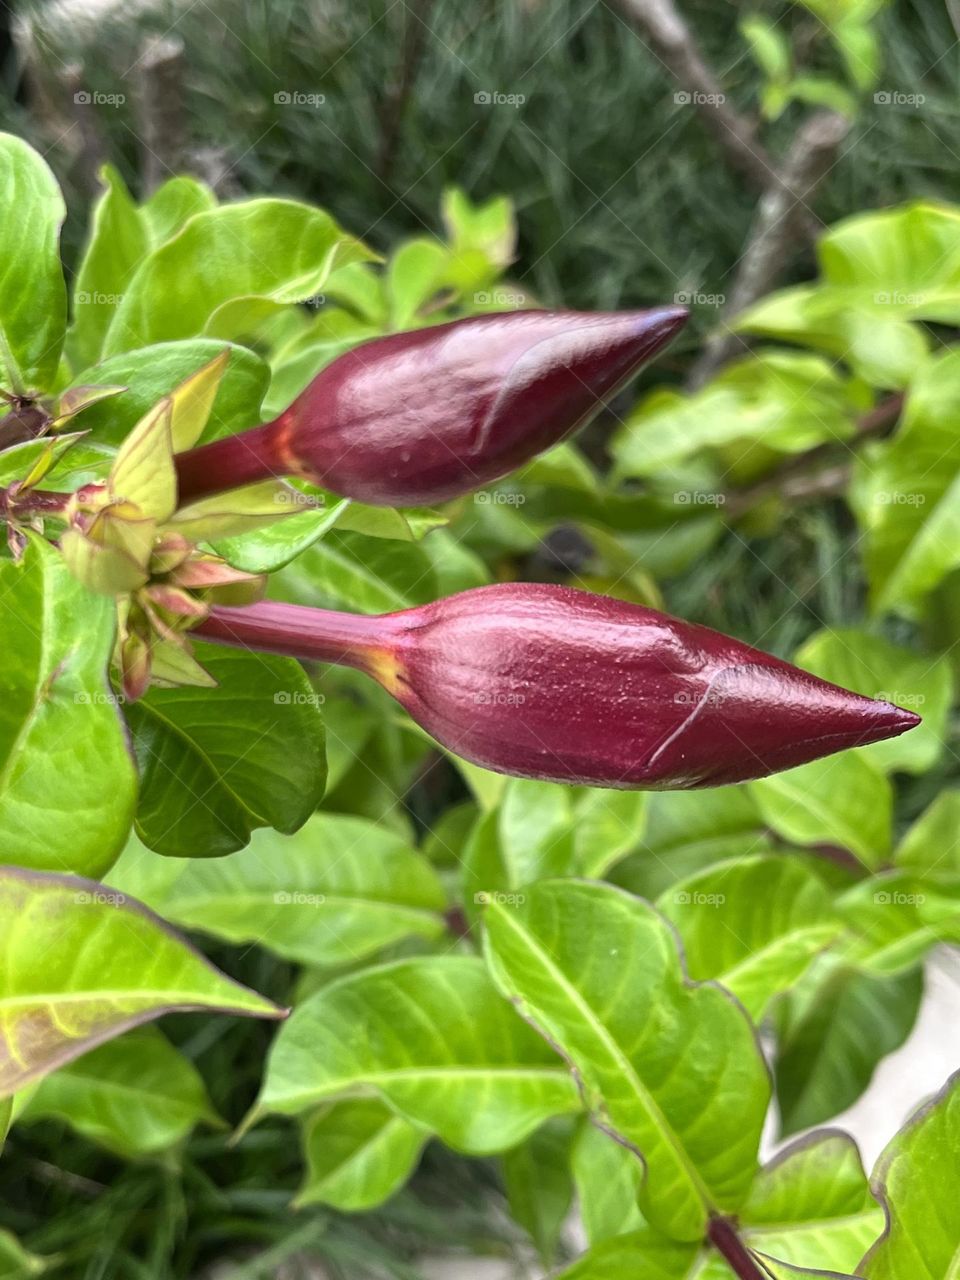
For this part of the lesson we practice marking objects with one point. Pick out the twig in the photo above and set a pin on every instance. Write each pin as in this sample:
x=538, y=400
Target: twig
x=675, y=45
x=395, y=105
x=722, y=1234
x=804, y=477
x=779, y=221
x=160, y=109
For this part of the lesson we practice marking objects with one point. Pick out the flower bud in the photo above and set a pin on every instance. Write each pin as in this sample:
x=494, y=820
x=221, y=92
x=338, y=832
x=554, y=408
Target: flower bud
x=417, y=418
x=547, y=682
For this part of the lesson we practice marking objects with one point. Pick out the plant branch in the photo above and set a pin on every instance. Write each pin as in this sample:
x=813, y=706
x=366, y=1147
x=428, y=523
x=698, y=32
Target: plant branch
x=805, y=476
x=676, y=46
x=780, y=220
x=722, y=1234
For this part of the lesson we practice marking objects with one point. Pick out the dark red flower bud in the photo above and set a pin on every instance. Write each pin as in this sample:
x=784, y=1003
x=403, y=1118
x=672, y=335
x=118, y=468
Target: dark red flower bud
x=416, y=418
x=548, y=682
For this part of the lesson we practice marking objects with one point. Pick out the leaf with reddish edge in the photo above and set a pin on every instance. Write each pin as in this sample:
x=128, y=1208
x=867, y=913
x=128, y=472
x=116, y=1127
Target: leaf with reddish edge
x=80, y=963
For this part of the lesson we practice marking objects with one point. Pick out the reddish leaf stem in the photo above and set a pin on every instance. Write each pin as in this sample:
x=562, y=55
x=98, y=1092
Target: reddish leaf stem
x=722, y=1234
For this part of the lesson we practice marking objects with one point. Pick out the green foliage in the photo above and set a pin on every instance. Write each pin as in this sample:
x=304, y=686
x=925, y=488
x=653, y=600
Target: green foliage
x=571, y=980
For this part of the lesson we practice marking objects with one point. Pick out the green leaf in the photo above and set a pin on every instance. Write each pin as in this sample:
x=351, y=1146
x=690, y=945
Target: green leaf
x=790, y=402
x=619, y=1013
x=33, y=296
x=15, y=1262
x=333, y=894
x=643, y=1253
x=843, y=800
x=873, y=666
x=358, y=1153
x=216, y=764
x=688, y=831
x=268, y=549
x=811, y=1207
x=897, y=918
x=932, y=844
x=439, y=1046
x=608, y=1178
x=80, y=963
x=754, y=924
x=916, y=1177
x=136, y=1095
x=538, y=1184
x=828, y=1055
x=116, y=246
x=172, y=204
x=346, y=570
x=150, y=373
x=906, y=493
x=277, y=250
x=67, y=781
x=769, y=46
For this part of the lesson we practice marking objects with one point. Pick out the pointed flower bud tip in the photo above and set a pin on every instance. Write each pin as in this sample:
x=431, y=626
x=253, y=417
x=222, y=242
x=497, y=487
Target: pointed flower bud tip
x=548, y=682
x=421, y=417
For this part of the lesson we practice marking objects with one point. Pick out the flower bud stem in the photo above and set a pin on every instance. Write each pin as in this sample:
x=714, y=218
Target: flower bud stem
x=323, y=635
x=247, y=458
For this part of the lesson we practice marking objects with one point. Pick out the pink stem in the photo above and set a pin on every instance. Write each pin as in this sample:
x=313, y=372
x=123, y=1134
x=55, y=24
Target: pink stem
x=722, y=1234
x=323, y=635
x=245, y=458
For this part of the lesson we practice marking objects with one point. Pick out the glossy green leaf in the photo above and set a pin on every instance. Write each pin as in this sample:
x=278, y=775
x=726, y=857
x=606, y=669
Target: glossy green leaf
x=916, y=1177
x=33, y=296
x=348, y=571
x=754, y=924
x=898, y=917
x=80, y=963
x=150, y=373
x=829, y=1053
x=274, y=249
x=67, y=781
x=136, y=1095
x=873, y=666
x=906, y=493
x=333, y=894
x=620, y=1012
x=216, y=764
x=173, y=202
x=932, y=844
x=608, y=1178
x=842, y=800
x=439, y=1045
x=117, y=244
x=270, y=548
x=688, y=831
x=643, y=1253
x=788, y=401
x=358, y=1153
